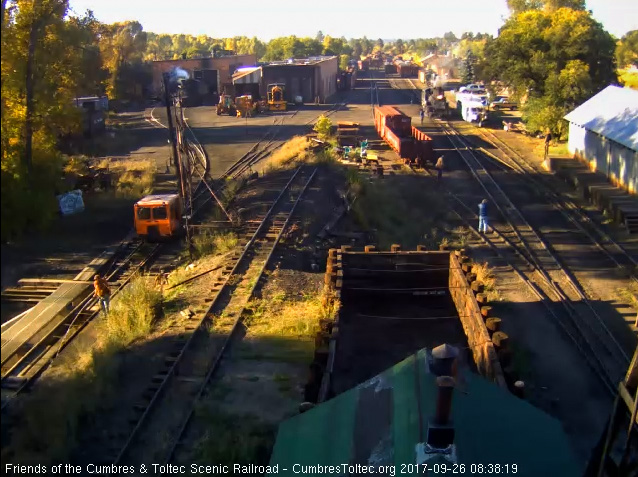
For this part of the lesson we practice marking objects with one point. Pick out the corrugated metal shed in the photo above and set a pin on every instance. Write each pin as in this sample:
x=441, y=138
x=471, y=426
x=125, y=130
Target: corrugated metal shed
x=383, y=421
x=612, y=113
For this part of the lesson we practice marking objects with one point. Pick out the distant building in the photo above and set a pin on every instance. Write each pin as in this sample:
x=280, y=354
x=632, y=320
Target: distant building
x=94, y=109
x=444, y=66
x=603, y=131
x=307, y=78
x=211, y=74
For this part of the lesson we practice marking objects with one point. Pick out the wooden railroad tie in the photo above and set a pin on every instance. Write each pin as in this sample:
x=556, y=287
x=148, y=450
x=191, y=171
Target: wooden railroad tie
x=486, y=311
x=477, y=287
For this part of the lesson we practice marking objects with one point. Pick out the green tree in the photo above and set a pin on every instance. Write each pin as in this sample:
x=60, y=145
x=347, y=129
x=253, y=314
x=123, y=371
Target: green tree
x=399, y=46
x=552, y=59
x=44, y=58
x=468, y=71
x=518, y=6
x=323, y=127
x=122, y=45
x=627, y=49
x=343, y=62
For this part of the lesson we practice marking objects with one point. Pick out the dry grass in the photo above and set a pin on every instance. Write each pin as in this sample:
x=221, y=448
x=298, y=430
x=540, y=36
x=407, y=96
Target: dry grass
x=83, y=386
x=461, y=237
x=214, y=242
x=232, y=439
x=132, y=314
x=393, y=210
x=280, y=315
x=134, y=178
x=485, y=276
x=231, y=189
x=291, y=154
x=629, y=296
x=78, y=165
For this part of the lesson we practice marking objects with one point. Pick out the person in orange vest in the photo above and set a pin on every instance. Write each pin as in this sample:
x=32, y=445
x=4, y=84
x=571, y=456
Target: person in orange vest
x=102, y=292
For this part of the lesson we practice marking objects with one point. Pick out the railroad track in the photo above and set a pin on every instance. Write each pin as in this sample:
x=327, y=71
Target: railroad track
x=511, y=159
x=22, y=367
x=521, y=246
x=168, y=404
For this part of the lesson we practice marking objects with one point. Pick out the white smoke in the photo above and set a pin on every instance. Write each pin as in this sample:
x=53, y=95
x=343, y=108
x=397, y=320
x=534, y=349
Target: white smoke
x=177, y=74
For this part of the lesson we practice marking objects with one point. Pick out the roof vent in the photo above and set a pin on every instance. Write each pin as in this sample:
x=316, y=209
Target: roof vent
x=443, y=359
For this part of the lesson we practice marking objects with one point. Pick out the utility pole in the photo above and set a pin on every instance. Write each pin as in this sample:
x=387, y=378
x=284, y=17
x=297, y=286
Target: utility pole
x=171, y=132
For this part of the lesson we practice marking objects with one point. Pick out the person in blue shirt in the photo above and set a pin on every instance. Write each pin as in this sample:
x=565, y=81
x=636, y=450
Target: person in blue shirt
x=483, y=216
x=422, y=114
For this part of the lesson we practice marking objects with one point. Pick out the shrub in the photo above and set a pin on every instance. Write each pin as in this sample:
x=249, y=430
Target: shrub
x=323, y=127
x=133, y=313
x=214, y=242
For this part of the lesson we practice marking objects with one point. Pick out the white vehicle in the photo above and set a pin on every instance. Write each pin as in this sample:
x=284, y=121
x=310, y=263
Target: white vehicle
x=479, y=96
x=471, y=88
x=474, y=112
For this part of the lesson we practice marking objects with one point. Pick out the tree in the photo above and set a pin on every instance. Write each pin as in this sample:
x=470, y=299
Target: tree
x=553, y=59
x=400, y=47
x=518, y=6
x=450, y=38
x=379, y=43
x=343, y=62
x=47, y=59
x=323, y=127
x=122, y=45
x=468, y=71
x=319, y=36
x=627, y=49
x=357, y=49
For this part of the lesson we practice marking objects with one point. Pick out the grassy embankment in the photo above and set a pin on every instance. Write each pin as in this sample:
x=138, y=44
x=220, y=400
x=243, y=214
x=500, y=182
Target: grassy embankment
x=65, y=403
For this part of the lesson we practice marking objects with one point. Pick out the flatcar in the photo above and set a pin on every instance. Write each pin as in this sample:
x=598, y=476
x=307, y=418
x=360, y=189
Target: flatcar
x=396, y=129
x=159, y=217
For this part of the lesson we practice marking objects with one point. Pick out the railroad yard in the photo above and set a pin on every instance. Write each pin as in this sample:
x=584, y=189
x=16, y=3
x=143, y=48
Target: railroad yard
x=240, y=331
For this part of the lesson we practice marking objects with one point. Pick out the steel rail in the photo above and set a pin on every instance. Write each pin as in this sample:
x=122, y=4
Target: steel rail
x=170, y=372
x=238, y=321
x=37, y=353
x=540, y=268
x=566, y=206
x=562, y=268
x=591, y=358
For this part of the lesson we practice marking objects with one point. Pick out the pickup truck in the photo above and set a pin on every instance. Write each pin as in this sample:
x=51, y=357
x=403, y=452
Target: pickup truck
x=503, y=103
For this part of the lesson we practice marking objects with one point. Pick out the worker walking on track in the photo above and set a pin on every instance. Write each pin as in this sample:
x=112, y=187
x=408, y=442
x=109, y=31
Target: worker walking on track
x=483, y=216
x=548, y=139
x=439, y=169
x=102, y=292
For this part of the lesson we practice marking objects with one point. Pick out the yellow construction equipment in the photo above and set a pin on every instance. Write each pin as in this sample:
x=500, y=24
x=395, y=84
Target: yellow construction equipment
x=226, y=105
x=276, y=101
x=246, y=107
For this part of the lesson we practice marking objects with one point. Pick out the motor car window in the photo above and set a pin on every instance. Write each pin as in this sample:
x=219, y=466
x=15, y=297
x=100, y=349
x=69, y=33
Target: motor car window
x=144, y=213
x=159, y=213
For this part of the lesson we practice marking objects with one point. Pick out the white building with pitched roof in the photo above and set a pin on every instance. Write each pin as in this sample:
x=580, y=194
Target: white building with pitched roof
x=603, y=131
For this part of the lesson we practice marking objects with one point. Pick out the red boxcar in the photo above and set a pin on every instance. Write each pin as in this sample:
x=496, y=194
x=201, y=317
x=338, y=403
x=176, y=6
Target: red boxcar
x=396, y=129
